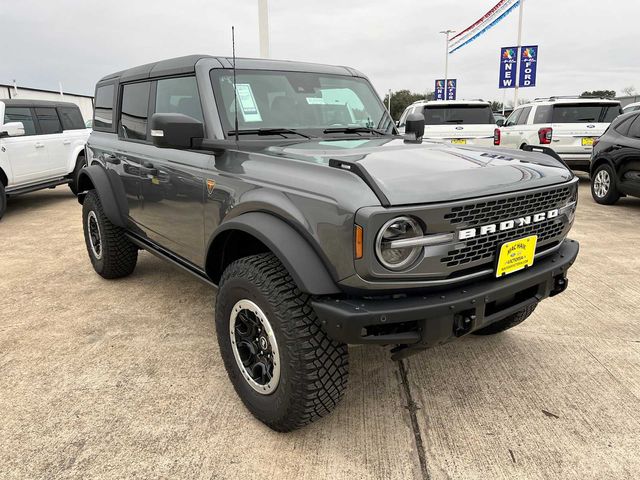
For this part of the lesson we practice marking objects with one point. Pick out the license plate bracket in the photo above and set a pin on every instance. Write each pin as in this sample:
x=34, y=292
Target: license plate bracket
x=516, y=255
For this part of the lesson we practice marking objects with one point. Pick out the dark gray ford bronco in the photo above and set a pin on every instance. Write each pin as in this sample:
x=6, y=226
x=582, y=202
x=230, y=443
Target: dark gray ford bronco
x=287, y=186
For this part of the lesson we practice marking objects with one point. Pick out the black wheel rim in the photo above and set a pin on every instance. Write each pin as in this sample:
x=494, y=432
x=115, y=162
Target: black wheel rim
x=95, y=239
x=254, y=347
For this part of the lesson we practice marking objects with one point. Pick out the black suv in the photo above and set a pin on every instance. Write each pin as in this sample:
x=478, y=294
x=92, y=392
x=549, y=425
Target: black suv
x=286, y=185
x=615, y=163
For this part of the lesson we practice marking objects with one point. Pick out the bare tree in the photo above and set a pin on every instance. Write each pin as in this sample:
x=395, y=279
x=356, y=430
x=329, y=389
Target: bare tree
x=629, y=91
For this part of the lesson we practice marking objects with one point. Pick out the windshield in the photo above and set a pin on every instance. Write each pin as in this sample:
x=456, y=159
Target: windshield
x=457, y=114
x=306, y=102
x=585, y=112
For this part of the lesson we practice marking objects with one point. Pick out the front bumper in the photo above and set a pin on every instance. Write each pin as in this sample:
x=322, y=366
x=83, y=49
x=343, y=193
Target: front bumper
x=421, y=321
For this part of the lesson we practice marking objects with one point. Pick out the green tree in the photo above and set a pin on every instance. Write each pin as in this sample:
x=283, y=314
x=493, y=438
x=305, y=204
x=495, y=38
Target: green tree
x=599, y=93
x=402, y=99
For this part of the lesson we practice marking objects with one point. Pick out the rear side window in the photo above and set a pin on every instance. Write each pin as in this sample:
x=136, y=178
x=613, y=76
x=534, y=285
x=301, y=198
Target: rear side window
x=48, y=120
x=458, y=114
x=622, y=126
x=103, y=115
x=71, y=118
x=179, y=95
x=585, y=113
x=524, y=116
x=634, y=129
x=543, y=114
x=135, y=110
x=16, y=114
x=513, y=118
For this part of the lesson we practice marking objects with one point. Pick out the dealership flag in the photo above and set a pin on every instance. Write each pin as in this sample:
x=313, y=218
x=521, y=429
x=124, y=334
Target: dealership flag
x=439, y=90
x=528, y=66
x=508, y=61
x=451, y=89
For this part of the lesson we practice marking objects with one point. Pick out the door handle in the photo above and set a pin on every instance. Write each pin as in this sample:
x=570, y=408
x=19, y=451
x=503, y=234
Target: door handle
x=112, y=159
x=67, y=142
x=39, y=145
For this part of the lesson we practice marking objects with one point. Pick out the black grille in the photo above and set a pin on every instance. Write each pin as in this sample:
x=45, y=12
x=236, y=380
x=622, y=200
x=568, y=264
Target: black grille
x=486, y=247
x=483, y=213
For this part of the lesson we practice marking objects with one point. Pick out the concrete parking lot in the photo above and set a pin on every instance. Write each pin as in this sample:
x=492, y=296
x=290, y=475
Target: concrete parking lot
x=122, y=379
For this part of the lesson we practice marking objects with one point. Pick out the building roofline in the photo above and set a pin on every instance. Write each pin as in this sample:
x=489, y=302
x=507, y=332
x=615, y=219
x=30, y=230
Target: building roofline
x=22, y=87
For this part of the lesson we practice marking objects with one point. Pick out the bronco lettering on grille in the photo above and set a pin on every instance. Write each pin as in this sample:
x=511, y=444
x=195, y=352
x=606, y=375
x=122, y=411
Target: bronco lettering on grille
x=507, y=224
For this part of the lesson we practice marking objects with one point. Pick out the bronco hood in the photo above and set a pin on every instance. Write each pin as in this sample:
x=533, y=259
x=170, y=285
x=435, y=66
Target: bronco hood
x=402, y=173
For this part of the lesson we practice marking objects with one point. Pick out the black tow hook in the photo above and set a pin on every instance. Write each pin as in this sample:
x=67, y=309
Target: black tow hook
x=560, y=284
x=463, y=322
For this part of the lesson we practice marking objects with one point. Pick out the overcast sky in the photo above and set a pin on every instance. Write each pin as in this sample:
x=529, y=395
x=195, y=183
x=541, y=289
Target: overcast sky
x=583, y=45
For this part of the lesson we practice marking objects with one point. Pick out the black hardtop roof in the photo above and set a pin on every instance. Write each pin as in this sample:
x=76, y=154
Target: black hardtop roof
x=187, y=64
x=25, y=102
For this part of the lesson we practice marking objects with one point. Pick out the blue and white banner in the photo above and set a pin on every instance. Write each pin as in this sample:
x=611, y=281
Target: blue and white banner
x=452, y=84
x=508, y=62
x=439, y=91
x=528, y=66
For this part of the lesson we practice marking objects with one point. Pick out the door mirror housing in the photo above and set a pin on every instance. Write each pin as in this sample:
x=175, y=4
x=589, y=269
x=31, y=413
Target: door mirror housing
x=12, y=129
x=175, y=130
x=414, y=127
x=500, y=122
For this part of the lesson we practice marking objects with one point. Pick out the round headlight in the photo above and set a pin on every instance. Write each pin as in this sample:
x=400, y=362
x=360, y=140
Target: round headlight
x=400, y=228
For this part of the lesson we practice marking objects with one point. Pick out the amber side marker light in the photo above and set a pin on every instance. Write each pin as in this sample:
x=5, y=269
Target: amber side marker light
x=357, y=235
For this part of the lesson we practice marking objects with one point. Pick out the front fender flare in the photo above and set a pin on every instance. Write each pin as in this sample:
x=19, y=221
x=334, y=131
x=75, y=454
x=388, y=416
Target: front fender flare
x=296, y=254
x=109, y=187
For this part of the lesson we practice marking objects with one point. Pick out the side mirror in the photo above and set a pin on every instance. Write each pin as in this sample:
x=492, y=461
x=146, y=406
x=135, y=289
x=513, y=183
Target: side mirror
x=414, y=127
x=12, y=129
x=175, y=130
x=500, y=122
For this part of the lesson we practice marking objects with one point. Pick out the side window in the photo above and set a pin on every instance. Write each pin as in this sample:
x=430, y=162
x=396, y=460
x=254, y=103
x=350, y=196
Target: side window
x=48, y=120
x=179, y=95
x=543, y=114
x=622, y=126
x=634, y=129
x=135, y=108
x=524, y=116
x=15, y=114
x=403, y=117
x=513, y=118
x=103, y=115
x=71, y=118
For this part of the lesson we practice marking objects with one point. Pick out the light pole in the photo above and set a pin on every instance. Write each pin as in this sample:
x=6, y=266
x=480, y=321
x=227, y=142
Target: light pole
x=446, y=60
x=518, y=59
x=263, y=26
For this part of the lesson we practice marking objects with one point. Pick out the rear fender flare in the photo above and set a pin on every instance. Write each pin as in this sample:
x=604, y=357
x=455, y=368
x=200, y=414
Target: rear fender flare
x=110, y=190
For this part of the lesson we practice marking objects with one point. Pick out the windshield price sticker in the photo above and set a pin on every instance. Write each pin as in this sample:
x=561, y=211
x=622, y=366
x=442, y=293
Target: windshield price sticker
x=248, y=105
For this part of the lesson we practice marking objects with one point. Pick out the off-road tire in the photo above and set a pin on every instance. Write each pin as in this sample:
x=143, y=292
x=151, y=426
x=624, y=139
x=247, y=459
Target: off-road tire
x=119, y=256
x=612, y=195
x=80, y=163
x=507, y=323
x=313, y=367
x=3, y=200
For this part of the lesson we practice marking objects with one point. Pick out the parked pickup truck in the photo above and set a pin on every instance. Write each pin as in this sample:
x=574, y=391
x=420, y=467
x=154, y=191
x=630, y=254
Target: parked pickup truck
x=41, y=146
x=286, y=185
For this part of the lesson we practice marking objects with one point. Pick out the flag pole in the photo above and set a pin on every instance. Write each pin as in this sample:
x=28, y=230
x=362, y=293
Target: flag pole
x=518, y=59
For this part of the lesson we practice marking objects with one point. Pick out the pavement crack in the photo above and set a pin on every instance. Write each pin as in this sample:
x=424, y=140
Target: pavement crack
x=412, y=407
x=513, y=457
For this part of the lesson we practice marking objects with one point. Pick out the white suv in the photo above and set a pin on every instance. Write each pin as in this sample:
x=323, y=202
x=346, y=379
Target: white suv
x=567, y=125
x=466, y=122
x=41, y=146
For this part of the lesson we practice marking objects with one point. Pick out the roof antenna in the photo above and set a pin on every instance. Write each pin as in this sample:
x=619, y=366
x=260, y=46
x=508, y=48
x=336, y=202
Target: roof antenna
x=235, y=91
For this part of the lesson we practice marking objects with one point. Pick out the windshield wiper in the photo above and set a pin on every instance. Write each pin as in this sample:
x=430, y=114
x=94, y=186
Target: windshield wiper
x=455, y=121
x=586, y=119
x=353, y=130
x=267, y=131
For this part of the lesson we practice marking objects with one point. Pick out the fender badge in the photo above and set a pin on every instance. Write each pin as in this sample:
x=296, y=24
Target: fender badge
x=211, y=184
